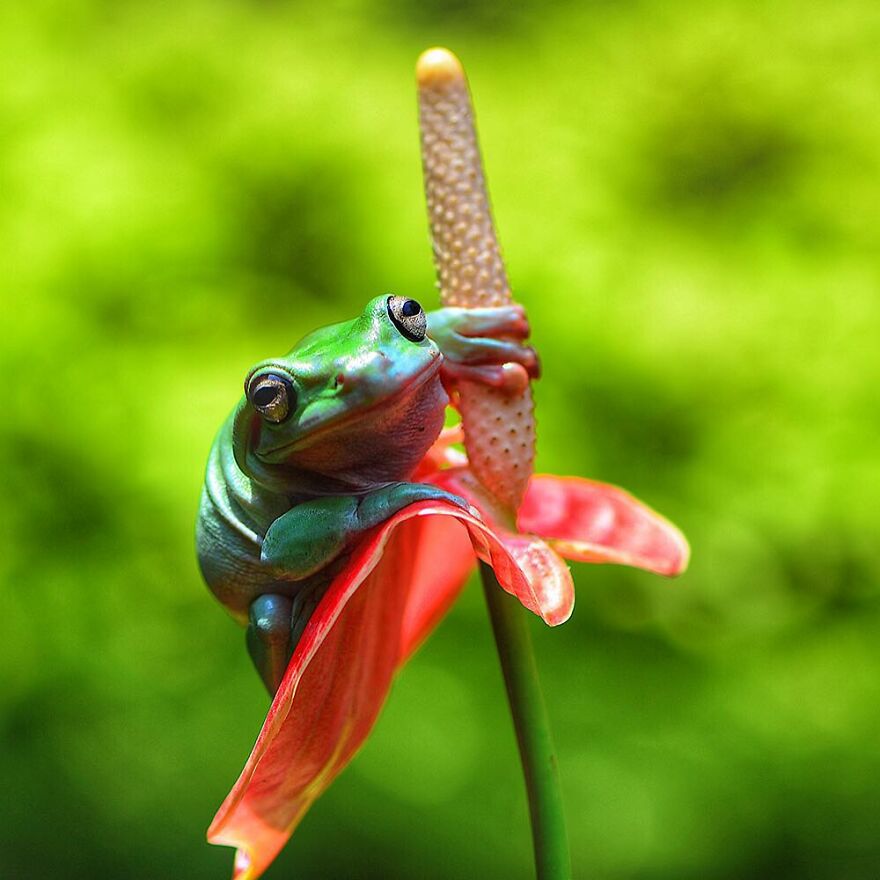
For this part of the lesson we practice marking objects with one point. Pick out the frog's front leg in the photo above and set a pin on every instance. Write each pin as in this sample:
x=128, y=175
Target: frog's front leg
x=303, y=542
x=311, y=535
x=484, y=345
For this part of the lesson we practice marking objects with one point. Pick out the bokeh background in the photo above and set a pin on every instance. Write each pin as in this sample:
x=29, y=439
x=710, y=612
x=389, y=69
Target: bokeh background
x=688, y=197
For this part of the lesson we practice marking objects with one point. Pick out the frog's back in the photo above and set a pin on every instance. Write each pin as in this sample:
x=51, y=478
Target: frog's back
x=234, y=515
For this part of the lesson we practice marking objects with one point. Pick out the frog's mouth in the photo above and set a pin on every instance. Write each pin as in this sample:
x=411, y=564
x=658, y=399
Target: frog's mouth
x=322, y=427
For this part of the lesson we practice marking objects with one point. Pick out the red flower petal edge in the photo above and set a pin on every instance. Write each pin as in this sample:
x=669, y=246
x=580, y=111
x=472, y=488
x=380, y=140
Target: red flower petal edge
x=593, y=522
x=397, y=585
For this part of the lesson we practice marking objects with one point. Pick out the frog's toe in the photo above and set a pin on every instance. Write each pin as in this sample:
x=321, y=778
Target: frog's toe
x=496, y=321
x=511, y=378
x=427, y=492
x=457, y=500
x=479, y=350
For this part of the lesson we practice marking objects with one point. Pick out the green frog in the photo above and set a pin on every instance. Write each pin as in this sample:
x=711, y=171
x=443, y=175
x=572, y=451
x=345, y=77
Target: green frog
x=322, y=446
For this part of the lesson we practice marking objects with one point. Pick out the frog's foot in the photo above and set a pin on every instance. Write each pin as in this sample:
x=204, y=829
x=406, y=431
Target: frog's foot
x=471, y=351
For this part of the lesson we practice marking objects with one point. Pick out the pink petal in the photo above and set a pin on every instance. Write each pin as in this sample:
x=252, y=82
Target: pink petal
x=444, y=560
x=594, y=522
x=397, y=584
x=550, y=592
x=546, y=588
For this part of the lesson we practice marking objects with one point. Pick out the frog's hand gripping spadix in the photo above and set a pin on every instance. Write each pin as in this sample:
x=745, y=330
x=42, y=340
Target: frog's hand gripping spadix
x=499, y=424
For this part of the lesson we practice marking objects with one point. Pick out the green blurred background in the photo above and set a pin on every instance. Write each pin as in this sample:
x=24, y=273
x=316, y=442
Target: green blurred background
x=688, y=197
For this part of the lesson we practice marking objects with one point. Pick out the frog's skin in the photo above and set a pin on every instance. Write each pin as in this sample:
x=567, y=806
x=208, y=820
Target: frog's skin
x=321, y=448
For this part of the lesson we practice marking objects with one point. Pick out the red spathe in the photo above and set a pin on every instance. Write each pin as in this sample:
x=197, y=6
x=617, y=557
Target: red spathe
x=399, y=583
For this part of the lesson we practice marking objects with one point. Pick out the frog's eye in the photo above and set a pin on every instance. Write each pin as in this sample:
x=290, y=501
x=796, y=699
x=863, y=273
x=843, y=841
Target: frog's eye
x=408, y=316
x=272, y=396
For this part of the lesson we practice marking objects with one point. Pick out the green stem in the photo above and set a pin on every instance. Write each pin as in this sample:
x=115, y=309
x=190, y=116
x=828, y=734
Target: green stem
x=509, y=623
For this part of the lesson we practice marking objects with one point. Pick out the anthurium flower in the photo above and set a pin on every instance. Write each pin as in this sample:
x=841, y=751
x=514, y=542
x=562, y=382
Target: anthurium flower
x=403, y=576
x=399, y=582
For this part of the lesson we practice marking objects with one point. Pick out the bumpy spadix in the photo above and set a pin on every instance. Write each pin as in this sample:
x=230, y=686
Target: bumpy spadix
x=499, y=424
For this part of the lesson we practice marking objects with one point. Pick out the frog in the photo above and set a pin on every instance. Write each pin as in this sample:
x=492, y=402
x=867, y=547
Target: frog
x=322, y=448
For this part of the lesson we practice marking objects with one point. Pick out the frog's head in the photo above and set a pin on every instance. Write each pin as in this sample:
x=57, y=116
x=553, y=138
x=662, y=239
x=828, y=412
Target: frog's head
x=350, y=406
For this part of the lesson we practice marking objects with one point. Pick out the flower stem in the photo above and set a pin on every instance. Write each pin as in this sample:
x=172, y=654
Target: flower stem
x=552, y=859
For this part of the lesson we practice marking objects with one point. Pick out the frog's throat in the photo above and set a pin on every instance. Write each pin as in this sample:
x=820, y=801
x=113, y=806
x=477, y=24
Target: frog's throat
x=332, y=425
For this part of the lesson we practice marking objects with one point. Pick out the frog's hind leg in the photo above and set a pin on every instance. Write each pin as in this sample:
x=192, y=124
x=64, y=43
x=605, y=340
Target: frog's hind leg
x=304, y=605
x=275, y=626
x=268, y=637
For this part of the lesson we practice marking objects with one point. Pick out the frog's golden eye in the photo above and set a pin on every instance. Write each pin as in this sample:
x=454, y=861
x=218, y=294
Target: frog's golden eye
x=408, y=316
x=272, y=396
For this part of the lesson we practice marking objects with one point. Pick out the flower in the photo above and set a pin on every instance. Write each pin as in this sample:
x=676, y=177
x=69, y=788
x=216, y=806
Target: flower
x=399, y=582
